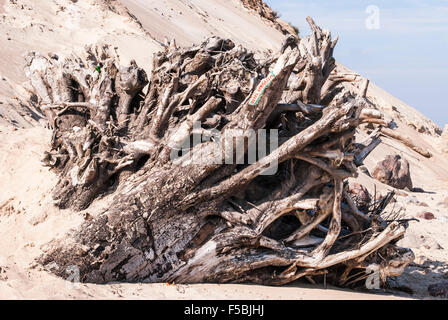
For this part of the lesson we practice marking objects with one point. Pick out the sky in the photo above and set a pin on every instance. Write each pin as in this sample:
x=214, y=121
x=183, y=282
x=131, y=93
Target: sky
x=401, y=45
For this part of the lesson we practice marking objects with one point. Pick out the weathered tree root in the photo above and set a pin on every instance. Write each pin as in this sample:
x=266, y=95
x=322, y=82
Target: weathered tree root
x=205, y=212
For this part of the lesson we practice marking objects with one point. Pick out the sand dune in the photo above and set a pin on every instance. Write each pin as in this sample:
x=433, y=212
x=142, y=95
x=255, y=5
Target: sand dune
x=28, y=218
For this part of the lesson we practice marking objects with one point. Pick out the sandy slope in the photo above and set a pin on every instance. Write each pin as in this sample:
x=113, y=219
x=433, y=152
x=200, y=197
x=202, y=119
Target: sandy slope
x=63, y=26
x=27, y=217
x=59, y=26
x=191, y=21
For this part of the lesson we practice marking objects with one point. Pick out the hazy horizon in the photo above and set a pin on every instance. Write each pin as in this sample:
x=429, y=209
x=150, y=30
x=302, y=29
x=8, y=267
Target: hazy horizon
x=400, y=45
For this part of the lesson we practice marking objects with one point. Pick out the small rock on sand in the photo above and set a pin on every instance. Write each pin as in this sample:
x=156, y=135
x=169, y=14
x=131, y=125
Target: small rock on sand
x=423, y=204
x=426, y=215
x=393, y=171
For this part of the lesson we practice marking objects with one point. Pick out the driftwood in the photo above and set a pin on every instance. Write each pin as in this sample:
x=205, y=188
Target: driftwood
x=223, y=168
x=373, y=116
x=406, y=141
x=368, y=146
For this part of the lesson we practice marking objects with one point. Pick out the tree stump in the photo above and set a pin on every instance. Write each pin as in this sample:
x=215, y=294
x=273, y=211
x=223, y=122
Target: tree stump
x=223, y=168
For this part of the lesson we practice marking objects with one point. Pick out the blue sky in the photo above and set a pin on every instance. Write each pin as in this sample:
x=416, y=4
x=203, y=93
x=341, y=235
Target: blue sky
x=407, y=56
